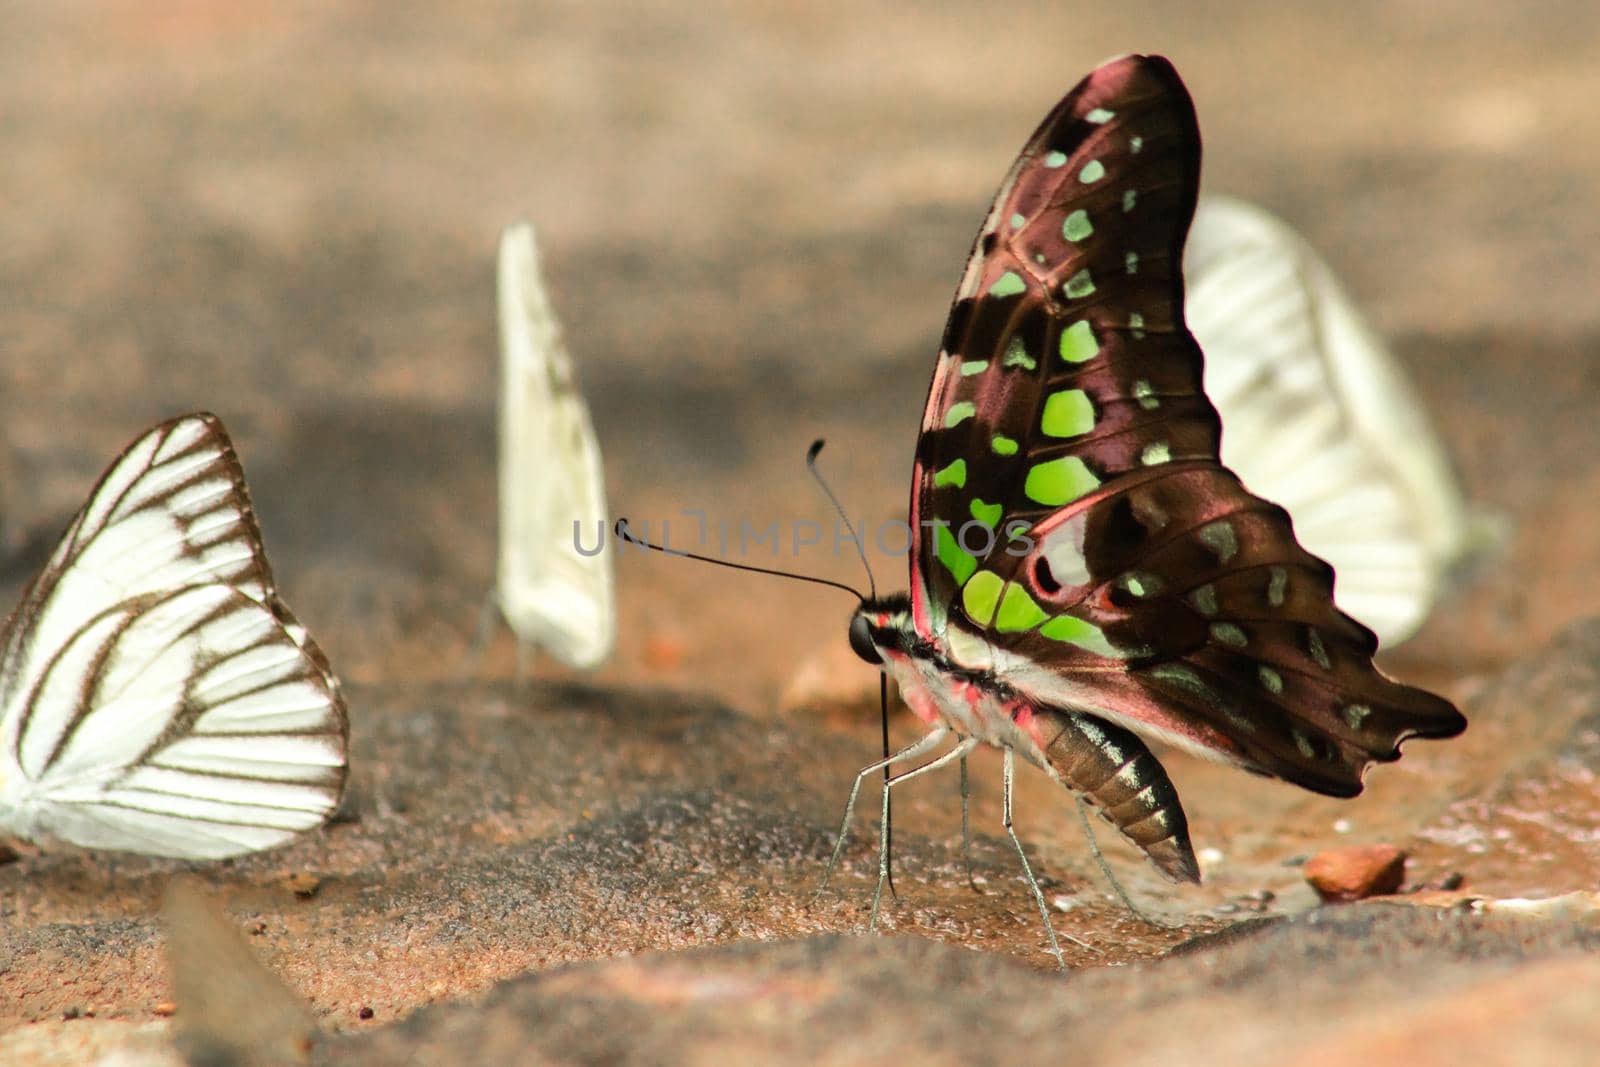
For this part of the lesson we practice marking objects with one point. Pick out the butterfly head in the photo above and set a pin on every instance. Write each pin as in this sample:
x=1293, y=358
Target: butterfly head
x=881, y=625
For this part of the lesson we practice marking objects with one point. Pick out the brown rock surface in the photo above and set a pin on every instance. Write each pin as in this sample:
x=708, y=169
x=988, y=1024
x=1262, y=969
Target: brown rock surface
x=753, y=219
x=1397, y=985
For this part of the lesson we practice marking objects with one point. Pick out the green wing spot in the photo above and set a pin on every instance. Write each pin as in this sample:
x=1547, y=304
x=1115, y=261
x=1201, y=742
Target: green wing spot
x=955, y=474
x=1018, y=222
x=1181, y=677
x=1075, y=631
x=1099, y=116
x=1356, y=714
x=1131, y=261
x=1136, y=324
x=980, y=595
x=957, y=560
x=1153, y=454
x=1229, y=634
x=1141, y=583
x=1145, y=395
x=1220, y=539
x=1059, y=481
x=1003, y=445
x=1271, y=680
x=988, y=514
x=1018, y=612
x=1017, y=355
x=959, y=413
x=1067, y=413
x=974, y=366
x=1092, y=172
x=1277, y=586
x=1008, y=284
x=1129, y=199
x=1136, y=144
x=1303, y=743
x=1077, y=226
x=1204, y=599
x=1054, y=159
x=1079, y=285
x=1318, y=651
x=1078, y=344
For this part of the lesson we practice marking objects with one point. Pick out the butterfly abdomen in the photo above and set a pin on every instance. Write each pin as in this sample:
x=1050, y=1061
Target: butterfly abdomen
x=1112, y=769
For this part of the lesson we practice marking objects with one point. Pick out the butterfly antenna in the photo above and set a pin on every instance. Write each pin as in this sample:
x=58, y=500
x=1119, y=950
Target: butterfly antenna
x=883, y=679
x=622, y=530
x=861, y=545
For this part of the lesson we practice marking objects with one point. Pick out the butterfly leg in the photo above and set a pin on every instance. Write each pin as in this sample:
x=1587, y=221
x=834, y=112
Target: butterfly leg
x=1027, y=870
x=911, y=751
x=488, y=614
x=966, y=827
x=1105, y=869
x=959, y=752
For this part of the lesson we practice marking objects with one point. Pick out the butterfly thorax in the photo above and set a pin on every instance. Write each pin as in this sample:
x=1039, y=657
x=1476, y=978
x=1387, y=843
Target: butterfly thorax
x=972, y=703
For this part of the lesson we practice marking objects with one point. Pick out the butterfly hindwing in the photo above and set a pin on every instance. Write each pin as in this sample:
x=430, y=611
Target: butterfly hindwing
x=157, y=695
x=1129, y=574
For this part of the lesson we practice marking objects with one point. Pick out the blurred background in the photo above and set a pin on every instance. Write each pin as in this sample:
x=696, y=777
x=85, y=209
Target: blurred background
x=753, y=216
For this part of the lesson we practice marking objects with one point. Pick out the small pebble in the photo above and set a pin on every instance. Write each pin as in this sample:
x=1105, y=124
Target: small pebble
x=662, y=653
x=364, y=1013
x=166, y=1009
x=304, y=884
x=1344, y=874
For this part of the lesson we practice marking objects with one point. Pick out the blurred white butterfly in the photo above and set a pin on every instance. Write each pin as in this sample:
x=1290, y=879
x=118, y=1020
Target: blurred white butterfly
x=232, y=1007
x=155, y=694
x=1318, y=417
x=552, y=487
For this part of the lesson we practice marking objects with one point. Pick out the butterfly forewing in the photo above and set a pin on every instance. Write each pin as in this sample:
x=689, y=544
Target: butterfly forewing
x=552, y=487
x=158, y=697
x=1077, y=533
x=1065, y=362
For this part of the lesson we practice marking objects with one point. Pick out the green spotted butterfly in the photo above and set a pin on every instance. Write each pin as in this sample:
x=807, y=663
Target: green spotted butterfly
x=1085, y=573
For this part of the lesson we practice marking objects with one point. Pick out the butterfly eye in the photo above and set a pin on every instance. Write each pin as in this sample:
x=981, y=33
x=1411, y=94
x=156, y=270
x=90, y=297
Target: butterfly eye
x=861, y=640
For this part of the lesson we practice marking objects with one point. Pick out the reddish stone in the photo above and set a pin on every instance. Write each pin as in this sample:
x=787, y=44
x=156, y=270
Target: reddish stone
x=662, y=653
x=1340, y=875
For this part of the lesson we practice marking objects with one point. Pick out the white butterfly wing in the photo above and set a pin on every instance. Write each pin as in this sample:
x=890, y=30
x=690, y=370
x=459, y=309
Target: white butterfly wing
x=155, y=696
x=1318, y=417
x=232, y=1007
x=552, y=489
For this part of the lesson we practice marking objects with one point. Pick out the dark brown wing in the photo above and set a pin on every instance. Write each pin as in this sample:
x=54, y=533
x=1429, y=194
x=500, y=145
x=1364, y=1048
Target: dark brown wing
x=1077, y=533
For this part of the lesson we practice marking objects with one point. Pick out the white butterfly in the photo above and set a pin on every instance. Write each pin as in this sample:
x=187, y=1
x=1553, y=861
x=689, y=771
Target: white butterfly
x=155, y=694
x=552, y=488
x=1319, y=417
